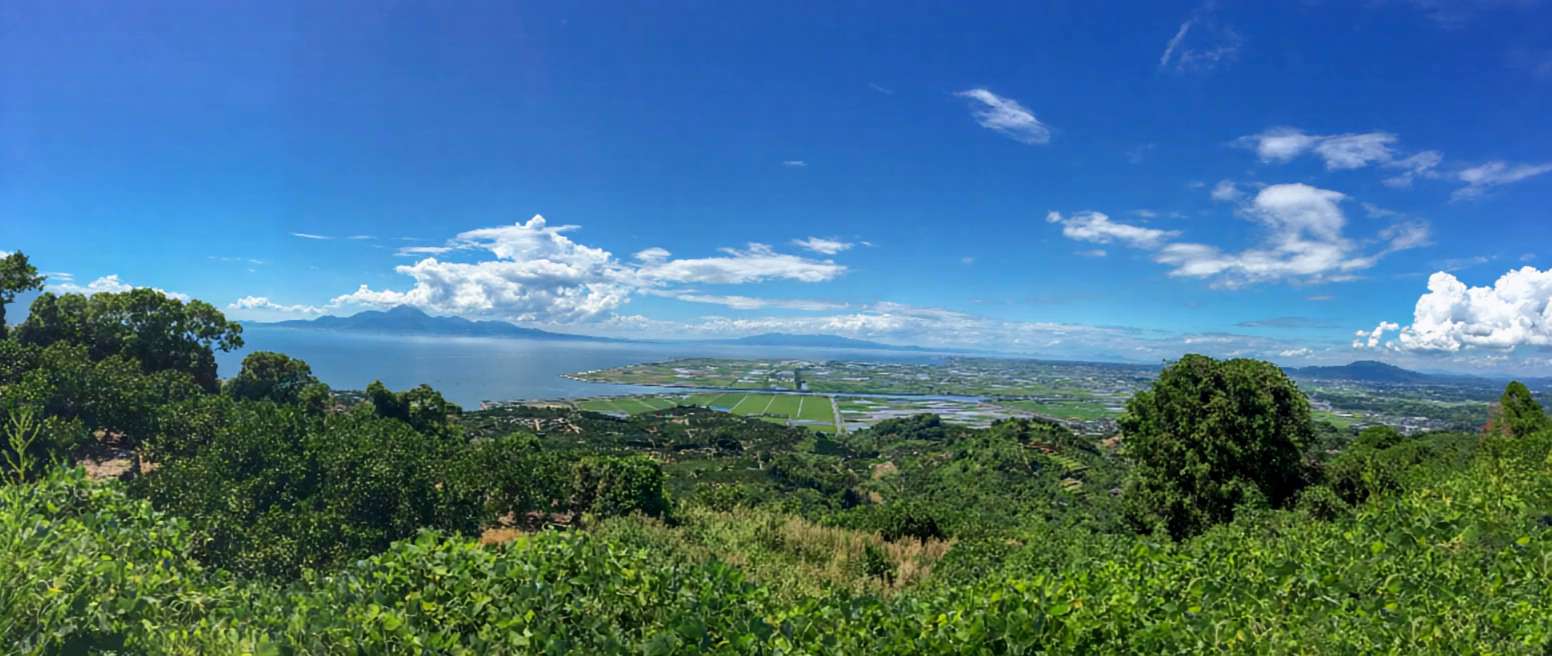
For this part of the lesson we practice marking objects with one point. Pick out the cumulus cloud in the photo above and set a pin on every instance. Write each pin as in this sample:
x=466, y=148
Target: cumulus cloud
x=1338, y=151
x=1007, y=116
x=1303, y=240
x=1097, y=228
x=1479, y=179
x=1515, y=311
x=109, y=283
x=540, y=274
x=1371, y=338
x=822, y=245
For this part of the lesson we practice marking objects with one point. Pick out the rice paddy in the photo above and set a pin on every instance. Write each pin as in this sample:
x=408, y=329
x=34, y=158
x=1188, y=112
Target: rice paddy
x=806, y=410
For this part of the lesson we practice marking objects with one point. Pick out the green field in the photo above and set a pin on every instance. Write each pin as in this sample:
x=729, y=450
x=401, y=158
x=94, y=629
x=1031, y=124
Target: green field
x=1080, y=410
x=810, y=410
x=627, y=405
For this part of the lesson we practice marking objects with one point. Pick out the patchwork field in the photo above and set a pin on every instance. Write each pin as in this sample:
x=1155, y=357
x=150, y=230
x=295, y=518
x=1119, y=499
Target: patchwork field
x=808, y=410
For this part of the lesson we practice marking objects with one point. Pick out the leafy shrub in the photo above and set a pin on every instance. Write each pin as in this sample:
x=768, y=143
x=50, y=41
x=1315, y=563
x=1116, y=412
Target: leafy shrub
x=608, y=486
x=276, y=489
x=1319, y=502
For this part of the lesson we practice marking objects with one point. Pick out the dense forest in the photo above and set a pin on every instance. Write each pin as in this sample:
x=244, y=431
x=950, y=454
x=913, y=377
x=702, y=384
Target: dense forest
x=265, y=513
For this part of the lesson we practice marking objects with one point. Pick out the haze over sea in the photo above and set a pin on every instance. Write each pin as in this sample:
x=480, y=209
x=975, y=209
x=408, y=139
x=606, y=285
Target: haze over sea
x=468, y=370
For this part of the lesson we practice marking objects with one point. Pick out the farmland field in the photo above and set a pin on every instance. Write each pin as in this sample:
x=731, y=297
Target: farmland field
x=810, y=410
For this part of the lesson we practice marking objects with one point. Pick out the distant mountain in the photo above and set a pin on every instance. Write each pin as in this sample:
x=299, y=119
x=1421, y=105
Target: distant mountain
x=1368, y=371
x=405, y=320
x=813, y=341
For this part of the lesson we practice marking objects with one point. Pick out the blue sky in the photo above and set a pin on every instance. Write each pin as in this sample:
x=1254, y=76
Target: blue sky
x=1130, y=181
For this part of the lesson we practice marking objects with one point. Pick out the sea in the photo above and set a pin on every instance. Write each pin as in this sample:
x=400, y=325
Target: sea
x=472, y=370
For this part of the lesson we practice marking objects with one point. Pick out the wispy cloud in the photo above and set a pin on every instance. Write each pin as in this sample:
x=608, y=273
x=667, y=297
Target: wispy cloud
x=308, y=235
x=1201, y=43
x=795, y=164
x=881, y=89
x=1007, y=116
x=822, y=245
x=1482, y=178
x=737, y=302
x=360, y=237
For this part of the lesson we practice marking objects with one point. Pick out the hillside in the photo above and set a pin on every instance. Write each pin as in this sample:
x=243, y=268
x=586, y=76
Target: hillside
x=812, y=341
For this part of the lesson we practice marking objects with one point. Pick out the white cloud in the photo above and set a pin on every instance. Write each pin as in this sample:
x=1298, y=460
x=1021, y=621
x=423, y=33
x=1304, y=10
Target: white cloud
x=412, y=251
x=1007, y=116
x=756, y=263
x=360, y=237
x=1296, y=353
x=1303, y=240
x=1093, y=252
x=541, y=275
x=1420, y=165
x=822, y=245
x=1515, y=311
x=263, y=303
x=1226, y=192
x=1096, y=227
x=308, y=235
x=653, y=254
x=109, y=283
x=1371, y=338
x=1479, y=179
x=794, y=164
x=1339, y=151
x=737, y=302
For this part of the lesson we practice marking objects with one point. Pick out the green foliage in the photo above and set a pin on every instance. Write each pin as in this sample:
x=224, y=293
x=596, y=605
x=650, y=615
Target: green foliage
x=1320, y=502
x=1363, y=471
x=1520, y=414
x=1208, y=436
x=17, y=275
x=275, y=489
x=159, y=332
x=267, y=376
x=608, y=486
x=423, y=408
x=1377, y=437
x=1455, y=565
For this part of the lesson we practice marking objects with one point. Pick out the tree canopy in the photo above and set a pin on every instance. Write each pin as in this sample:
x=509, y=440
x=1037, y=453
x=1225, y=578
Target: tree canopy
x=17, y=275
x=156, y=330
x=272, y=376
x=1209, y=436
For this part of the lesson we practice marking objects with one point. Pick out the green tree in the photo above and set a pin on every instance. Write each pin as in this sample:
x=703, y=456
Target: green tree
x=267, y=376
x=1518, y=412
x=17, y=275
x=423, y=408
x=1208, y=436
x=160, y=332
